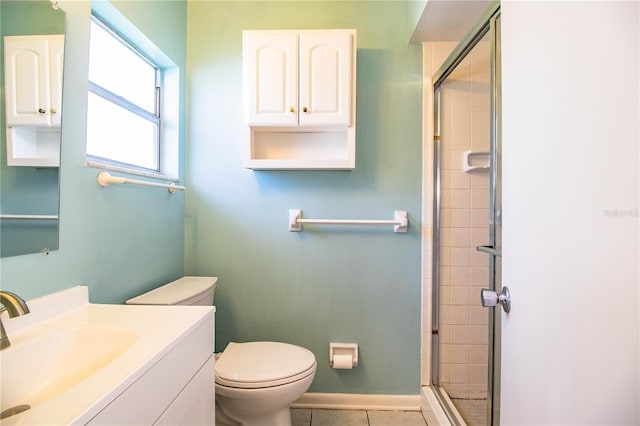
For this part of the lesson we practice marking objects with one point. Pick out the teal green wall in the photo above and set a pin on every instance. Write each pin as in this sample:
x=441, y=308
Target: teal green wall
x=324, y=284
x=122, y=240
x=26, y=190
x=416, y=8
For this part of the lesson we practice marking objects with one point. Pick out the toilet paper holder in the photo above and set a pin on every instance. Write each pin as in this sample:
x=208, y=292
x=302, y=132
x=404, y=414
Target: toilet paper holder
x=341, y=352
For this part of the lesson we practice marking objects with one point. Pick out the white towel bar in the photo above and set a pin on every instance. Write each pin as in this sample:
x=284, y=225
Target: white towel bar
x=400, y=221
x=105, y=179
x=29, y=216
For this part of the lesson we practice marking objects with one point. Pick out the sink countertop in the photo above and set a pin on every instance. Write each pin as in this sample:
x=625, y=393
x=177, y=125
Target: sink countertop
x=159, y=329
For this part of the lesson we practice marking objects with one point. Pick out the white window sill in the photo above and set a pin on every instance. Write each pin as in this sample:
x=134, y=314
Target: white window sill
x=132, y=171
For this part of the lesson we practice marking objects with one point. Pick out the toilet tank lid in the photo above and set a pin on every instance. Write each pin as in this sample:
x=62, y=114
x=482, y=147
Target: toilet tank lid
x=175, y=292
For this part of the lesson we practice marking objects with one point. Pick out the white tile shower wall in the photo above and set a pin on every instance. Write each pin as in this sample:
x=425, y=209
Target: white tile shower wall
x=464, y=225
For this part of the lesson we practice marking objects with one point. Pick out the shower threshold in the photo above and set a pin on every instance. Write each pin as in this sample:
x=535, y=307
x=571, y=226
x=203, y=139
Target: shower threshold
x=438, y=408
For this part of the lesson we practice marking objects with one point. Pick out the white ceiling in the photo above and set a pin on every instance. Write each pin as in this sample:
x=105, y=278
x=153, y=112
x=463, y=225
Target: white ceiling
x=448, y=20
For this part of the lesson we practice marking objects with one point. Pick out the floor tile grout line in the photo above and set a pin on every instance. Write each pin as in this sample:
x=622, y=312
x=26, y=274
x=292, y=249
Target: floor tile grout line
x=369, y=419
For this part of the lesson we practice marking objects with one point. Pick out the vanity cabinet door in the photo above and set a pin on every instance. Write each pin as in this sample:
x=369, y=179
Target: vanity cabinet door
x=195, y=405
x=33, y=87
x=271, y=78
x=325, y=78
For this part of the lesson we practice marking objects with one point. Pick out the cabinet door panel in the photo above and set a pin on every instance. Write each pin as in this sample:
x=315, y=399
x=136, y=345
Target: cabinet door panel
x=325, y=79
x=271, y=61
x=27, y=82
x=56, y=49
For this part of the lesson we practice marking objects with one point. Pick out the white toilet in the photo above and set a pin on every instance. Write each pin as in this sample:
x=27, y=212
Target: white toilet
x=255, y=381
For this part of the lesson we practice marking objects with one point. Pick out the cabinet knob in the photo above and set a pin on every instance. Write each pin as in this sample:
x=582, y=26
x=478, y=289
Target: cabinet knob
x=53, y=110
x=304, y=109
x=41, y=110
x=292, y=109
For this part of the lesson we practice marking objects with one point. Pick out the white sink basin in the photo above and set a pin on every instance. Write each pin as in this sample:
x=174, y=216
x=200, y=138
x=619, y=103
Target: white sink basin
x=69, y=359
x=38, y=369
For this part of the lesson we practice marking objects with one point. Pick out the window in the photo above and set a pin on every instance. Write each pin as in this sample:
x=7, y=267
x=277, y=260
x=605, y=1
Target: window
x=123, y=118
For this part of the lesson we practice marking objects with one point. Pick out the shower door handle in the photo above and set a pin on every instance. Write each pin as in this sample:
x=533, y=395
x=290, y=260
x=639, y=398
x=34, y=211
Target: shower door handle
x=489, y=250
x=491, y=298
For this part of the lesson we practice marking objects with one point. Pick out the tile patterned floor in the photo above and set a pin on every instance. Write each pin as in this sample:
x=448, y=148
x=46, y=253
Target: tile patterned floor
x=315, y=417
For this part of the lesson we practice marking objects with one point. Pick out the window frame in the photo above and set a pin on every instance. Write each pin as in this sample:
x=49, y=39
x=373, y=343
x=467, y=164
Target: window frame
x=155, y=118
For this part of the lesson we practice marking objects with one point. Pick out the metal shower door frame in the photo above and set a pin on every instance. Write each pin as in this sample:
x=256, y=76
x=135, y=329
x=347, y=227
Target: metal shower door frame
x=488, y=24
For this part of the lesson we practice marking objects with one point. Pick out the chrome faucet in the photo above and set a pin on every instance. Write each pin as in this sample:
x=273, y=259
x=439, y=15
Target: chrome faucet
x=15, y=306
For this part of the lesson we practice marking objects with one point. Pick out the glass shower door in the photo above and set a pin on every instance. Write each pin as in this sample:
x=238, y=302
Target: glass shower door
x=465, y=183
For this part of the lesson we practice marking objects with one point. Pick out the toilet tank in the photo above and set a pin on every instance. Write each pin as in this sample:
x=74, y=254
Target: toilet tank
x=184, y=291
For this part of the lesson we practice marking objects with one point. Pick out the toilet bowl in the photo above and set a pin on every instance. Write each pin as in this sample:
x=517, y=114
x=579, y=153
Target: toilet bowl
x=255, y=381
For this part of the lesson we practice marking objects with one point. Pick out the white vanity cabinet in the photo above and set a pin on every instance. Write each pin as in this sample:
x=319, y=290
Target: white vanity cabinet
x=33, y=79
x=179, y=389
x=33, y=98
x=300, y=98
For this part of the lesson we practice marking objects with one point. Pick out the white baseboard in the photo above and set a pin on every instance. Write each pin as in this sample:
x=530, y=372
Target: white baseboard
x=348, y=401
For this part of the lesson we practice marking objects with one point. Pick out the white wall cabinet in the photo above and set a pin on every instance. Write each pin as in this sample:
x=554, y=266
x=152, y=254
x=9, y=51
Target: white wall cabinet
x=33, y=79
x=300, y=98
x=33, y=97
x=299, y=78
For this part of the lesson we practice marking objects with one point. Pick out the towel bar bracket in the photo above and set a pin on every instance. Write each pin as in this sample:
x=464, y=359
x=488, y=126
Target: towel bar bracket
x=294, y=215
x=401, y=217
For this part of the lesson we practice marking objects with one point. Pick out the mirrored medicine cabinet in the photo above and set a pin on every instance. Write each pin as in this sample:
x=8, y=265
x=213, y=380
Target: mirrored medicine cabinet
x=29, y=185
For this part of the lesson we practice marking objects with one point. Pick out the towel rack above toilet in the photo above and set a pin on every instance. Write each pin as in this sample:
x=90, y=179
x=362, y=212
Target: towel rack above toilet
x=400, y=221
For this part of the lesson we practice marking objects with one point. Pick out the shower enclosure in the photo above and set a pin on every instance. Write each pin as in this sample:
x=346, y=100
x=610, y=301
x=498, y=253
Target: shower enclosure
x=466, y=227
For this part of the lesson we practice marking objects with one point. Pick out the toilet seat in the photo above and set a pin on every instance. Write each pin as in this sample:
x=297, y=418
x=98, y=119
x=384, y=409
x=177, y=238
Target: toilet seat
x=255, y=365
